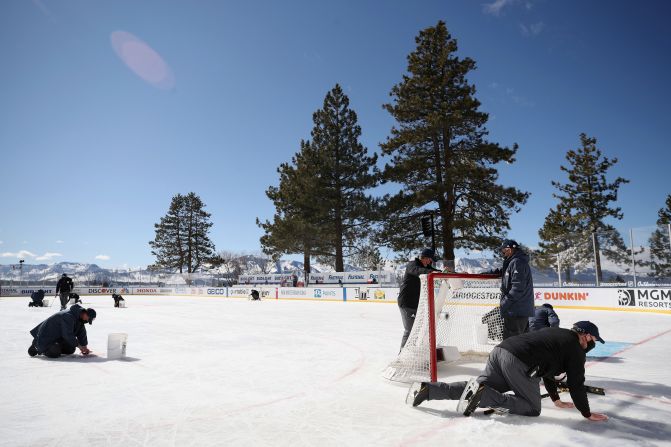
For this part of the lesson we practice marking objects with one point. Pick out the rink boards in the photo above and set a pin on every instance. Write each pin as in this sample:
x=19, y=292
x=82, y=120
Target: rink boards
x=656, y=300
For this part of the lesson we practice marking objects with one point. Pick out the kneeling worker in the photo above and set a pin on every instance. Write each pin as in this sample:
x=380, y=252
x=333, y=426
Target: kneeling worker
x=62, y=332
x=37, y=299
x=117, y=300
x=517, y=364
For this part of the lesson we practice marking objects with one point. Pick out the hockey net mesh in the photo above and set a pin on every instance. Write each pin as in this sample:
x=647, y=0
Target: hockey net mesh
x=466, y=315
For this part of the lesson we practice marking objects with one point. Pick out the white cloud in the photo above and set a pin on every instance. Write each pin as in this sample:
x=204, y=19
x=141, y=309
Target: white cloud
x=103, y=257
x=532, y=30
x=27, y=254
x=60, y=242
x=496, y=6
x=47, y=256
x=1, y=242
x=20, y=254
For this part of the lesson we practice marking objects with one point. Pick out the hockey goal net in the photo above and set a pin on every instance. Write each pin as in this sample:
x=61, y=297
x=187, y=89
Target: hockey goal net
x=456, y=311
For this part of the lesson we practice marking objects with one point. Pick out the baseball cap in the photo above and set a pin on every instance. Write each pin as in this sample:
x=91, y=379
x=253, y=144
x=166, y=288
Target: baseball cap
x=92, y=314
x=587, y=327
x=428, y=253
x=509, y=243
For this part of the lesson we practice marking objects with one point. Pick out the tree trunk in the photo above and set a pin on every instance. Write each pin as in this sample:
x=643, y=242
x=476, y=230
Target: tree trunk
x=597, y=259
x=306, y=266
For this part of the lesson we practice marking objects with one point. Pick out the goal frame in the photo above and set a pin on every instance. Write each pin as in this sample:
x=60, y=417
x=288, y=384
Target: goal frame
x=433, y=363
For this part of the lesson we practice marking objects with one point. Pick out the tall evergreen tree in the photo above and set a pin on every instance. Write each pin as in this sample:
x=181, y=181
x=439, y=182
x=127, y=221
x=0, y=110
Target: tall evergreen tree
x=441, y=156
x=660, y=245
x=297, y=224
x=182, y=241
x=576, y=228
x=347, y=171
x=322, y=208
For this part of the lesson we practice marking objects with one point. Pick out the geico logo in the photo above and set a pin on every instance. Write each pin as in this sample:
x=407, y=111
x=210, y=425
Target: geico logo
x=216, y=291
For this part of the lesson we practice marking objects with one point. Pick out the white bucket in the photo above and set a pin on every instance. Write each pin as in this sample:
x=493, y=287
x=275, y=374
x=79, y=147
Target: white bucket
x=122, y=303
x=116, y=346
x=46, y=302
x=72, y=301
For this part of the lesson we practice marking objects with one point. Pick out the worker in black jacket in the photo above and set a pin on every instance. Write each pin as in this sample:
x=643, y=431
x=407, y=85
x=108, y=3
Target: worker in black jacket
x=63, y=287
x=544, y=316
x=62, y=333
x=408, y=296
x=518, y=364
x=37, y=299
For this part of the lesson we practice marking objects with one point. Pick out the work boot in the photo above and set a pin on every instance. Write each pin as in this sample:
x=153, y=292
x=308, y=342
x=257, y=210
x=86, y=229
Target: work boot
x=474, y=400
x=420, y=393
x=32, y=351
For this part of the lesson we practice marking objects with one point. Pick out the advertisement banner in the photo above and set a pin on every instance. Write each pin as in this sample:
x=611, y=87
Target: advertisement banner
x=383, y=294
x=274, y=278
x=26, y=291
x=321, y=293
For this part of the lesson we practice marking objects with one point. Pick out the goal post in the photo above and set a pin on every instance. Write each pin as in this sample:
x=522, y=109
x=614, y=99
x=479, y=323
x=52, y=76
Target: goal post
x=456, y=312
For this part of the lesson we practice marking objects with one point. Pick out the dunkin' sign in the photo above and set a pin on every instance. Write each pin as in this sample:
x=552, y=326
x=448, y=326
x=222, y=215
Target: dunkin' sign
x=562, y=296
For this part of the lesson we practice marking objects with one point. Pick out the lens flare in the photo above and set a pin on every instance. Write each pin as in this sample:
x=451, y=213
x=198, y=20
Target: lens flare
x=142, y=60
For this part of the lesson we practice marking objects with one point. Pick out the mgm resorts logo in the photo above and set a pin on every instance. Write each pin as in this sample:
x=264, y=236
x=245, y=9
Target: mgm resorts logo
x=660, y=298
x=626, y=297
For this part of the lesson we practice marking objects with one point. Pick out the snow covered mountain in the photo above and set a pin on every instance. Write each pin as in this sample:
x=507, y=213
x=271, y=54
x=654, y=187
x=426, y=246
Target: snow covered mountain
x=255, y=264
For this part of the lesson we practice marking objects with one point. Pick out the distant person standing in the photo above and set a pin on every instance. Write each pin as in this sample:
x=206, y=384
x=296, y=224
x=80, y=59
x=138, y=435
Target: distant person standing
x=408, y=296
x=63, y=287
x=517, y=290
x=544, y=316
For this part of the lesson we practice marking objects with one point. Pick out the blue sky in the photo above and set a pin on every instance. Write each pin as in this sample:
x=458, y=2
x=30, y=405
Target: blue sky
x=92, y=151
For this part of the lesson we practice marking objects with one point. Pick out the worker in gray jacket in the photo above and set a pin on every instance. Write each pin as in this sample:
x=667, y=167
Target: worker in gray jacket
x=62, y=332
x=517, y=290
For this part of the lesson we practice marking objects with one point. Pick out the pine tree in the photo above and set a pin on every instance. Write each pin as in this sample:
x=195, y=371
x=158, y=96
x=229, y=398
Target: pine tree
x=347, y=171
x=297, y=224
x=660, y=245
x=576, y=228
x=322, y=208
x=441, y=156
x=182, y=241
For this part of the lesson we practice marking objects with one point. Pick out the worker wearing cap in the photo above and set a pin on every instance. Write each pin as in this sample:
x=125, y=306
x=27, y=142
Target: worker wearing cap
x=408, y=296
x=62, y=332
x=517, y=290
x=517, y=364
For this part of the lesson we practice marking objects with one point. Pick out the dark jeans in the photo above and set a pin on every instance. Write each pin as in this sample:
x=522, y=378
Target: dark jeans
x=504, y=372
x=36, y=304
x=58, y=348
x=408, y=318
x=65, y=297
x=515, y=326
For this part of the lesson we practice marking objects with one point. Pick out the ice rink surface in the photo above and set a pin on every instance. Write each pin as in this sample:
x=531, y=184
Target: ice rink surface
x=231, y=372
